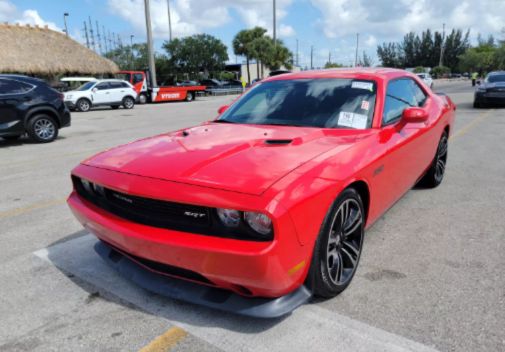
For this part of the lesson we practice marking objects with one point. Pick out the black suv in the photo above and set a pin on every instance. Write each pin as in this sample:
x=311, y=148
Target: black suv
x=30, y=105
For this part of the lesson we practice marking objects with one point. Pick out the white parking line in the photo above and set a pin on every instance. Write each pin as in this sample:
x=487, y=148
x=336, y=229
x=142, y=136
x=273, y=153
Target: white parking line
x=309, y=327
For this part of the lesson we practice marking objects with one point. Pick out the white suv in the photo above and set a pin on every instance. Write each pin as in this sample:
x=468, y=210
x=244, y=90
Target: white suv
x=113, y=92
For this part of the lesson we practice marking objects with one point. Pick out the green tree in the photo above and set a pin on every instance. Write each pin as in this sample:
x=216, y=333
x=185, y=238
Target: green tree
x=281, y=56
x=390, y=54
x=242, y=45
x=333, y=65
x=365, y=60
x=129, y=57
x=200, y=52
x=419, y=69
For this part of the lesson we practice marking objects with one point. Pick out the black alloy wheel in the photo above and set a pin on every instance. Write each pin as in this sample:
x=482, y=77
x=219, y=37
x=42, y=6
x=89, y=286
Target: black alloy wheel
x=338, y=247
x=436, y=172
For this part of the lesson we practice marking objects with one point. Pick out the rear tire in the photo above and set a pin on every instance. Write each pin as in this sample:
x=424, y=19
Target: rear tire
x=338, y=247
x=42, y=128
x=436, y=172
x=83, y=105
x=128, y=102
x=142, y=99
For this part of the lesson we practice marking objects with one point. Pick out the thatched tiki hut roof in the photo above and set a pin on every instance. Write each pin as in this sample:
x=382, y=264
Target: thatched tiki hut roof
x=41, y=51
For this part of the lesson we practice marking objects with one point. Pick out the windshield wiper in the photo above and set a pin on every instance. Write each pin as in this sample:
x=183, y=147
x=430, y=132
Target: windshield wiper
x=283, y=124
x=223, y=121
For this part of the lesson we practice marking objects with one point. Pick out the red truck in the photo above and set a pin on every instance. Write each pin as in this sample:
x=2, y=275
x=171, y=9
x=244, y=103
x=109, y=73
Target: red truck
x=147, y=93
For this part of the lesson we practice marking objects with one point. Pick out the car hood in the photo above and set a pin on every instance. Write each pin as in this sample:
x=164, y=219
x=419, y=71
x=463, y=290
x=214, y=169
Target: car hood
x=234, y=157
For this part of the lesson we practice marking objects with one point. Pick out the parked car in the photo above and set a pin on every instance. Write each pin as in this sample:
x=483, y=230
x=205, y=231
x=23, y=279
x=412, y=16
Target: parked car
x=187, y=83
x=427, y=79
x=271, y=200
x=491, y=91
x=72, y=83
x=232, y=83
x=111, y=92
x=29, y=105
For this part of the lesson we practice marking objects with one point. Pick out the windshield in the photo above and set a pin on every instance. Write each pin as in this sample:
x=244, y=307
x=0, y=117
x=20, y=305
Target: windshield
x=123, y=76
x=328, y=103
x=495, y=78
x=86, y=86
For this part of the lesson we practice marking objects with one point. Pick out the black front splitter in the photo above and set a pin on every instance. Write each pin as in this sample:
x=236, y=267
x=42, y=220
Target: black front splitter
x=200, y=294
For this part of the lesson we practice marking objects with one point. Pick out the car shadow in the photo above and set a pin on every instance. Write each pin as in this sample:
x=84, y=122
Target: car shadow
x=5, y=143
x=62, y=252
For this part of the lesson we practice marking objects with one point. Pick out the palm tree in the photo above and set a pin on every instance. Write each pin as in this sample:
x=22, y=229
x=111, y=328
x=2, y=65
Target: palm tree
x=242, y=44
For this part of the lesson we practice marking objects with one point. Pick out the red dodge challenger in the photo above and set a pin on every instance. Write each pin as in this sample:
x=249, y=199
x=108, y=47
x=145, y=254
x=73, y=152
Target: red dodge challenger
x=267, y=204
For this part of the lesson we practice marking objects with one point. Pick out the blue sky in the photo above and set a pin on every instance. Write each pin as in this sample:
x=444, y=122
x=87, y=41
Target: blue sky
x=330, y=26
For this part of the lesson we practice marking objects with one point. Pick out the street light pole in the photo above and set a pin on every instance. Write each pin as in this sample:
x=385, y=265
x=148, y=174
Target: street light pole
x=131, y=50
x=440, y=62
x=150, y=52
x=169, y=22
x=275, y=25
x=65, y=15
x=357, y=46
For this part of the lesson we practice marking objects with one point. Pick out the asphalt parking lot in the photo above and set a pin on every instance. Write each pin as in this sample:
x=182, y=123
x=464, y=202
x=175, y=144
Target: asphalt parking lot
x=431, y=275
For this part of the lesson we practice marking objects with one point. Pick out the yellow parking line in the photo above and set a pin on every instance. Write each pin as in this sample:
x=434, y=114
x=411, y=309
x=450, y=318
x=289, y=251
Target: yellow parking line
x=165, y=341
x=39, y=205
x=468, y=126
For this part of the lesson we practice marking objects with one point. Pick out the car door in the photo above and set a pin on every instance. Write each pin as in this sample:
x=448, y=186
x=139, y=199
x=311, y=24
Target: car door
x=117, y=91
x=101, y=93
x=406, y=155
x=14, y=98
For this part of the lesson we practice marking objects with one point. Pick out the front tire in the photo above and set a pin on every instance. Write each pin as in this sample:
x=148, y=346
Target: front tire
x=189, y=97
x=128, y=102
x=83, y=105
x=436, y=172
x=338, y=247
x=42, y=129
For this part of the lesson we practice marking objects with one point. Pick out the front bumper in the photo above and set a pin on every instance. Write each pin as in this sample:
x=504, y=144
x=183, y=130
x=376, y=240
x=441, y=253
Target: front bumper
x=490, y=97
x=250, y=268
x=70, y=104
x=198, y=294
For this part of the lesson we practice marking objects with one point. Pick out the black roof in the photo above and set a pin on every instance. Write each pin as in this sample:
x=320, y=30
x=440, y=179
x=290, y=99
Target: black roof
x=22, y=78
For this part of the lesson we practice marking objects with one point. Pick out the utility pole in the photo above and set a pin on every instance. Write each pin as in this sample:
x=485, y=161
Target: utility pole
x=98, y=38
x=169, y=22
x=329, y=57
x=105, y=39
x=275, y=25
x=311, y=56
x=114, y=40
x=357, y=46
x=91, y=34
x=86, y=34
x=119, y=42
x=65, y=15
x=131, y=49
x=440, y=62
x=297, y=57
x=150, y=52
x=110, y=41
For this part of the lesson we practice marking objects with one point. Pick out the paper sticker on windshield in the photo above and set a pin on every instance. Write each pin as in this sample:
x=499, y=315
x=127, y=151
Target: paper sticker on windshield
x=351, y=119
x=365, y=105
x=362, y=85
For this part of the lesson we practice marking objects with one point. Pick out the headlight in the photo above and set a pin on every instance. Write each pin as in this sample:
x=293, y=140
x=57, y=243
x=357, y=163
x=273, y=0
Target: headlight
x=229, y=217
x=259, y=222
x=481, y=89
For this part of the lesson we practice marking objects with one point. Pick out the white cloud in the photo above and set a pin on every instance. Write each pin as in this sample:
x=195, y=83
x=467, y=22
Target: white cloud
x=195, y=16
x=9, y=13
x=390, y=19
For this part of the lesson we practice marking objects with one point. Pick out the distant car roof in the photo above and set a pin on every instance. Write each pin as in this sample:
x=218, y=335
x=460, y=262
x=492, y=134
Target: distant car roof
x=496, y=73
x=78, y=79
x=22, y=78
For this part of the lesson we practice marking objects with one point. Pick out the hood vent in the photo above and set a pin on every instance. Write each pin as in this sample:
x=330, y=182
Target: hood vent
x=278, y=141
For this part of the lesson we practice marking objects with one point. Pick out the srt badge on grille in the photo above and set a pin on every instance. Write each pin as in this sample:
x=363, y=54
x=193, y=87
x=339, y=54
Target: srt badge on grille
x=123, y=198
x=194, y=215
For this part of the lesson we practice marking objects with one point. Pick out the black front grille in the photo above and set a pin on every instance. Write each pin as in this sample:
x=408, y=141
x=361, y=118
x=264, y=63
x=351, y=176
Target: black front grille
x=160, y=213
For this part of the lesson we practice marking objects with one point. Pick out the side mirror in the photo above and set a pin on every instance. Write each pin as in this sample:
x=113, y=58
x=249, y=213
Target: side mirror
x=94, y=90
x=414, y=115
x=222, y=109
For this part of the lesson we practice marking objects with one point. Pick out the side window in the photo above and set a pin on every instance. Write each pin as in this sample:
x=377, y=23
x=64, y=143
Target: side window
x=137, y=77
x=8, y=86
x=401, y=94
x=102, y=86
x=124, y=85
x=418, y=94
x=115, y=85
